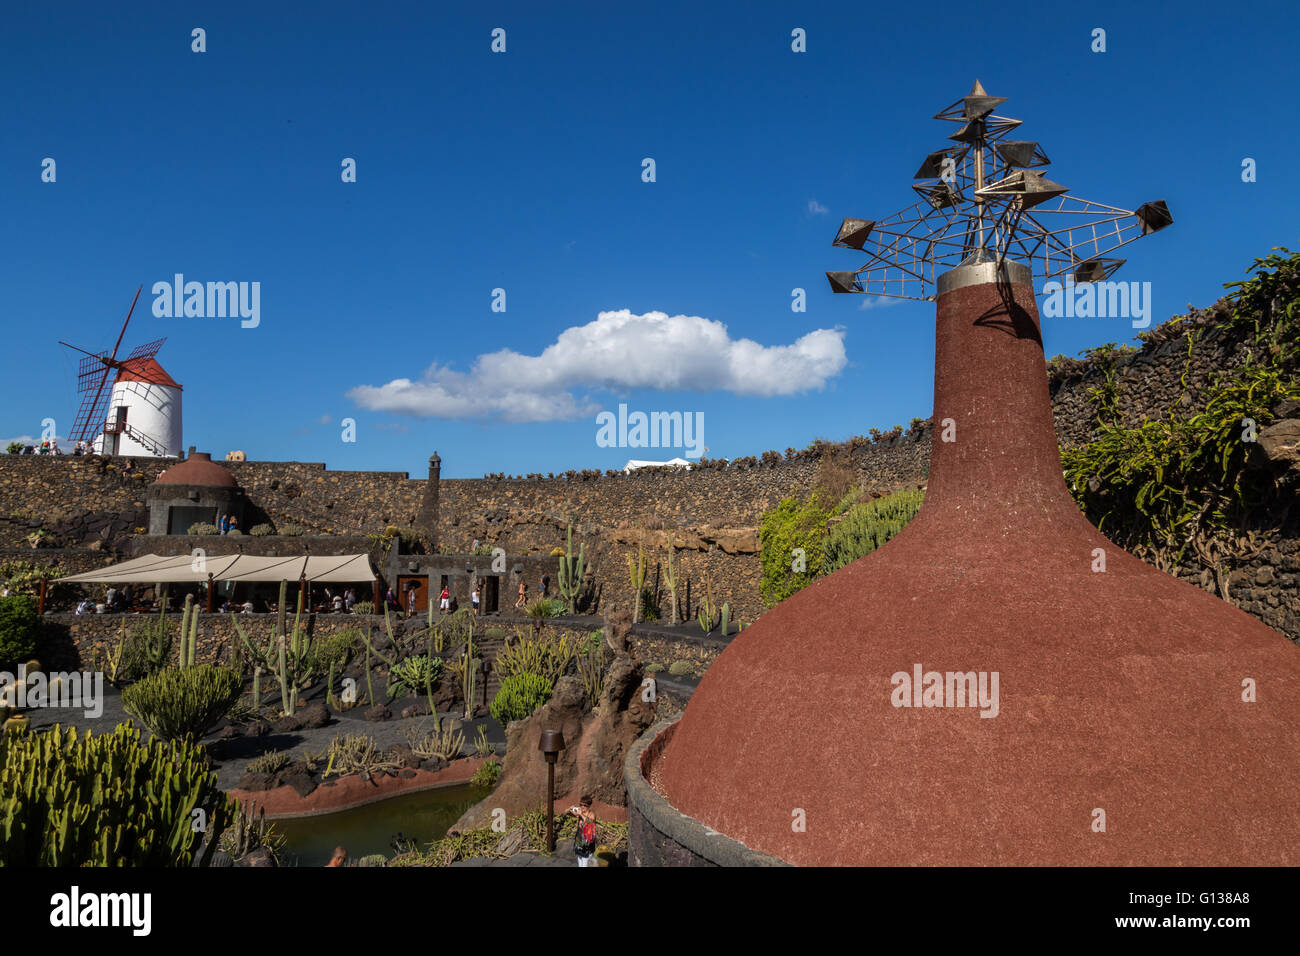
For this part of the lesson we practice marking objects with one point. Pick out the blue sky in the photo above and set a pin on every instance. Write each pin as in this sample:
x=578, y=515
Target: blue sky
x=523, y=171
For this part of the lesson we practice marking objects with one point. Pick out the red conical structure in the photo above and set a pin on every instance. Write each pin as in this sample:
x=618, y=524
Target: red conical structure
x=1120, y=692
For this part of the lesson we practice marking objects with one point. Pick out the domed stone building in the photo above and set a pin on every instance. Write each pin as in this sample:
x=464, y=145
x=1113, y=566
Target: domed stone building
x=196, y=489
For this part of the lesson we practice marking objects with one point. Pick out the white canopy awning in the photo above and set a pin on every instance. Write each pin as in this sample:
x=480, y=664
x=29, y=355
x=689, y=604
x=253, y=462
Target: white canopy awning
x=157, y=569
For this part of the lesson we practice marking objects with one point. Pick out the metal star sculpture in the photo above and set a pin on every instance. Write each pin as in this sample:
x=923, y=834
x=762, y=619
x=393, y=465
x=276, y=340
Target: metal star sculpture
x=983, y=200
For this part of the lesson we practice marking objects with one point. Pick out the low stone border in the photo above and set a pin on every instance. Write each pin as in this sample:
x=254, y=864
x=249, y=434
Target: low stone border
x=658, y=834
x=349, y=792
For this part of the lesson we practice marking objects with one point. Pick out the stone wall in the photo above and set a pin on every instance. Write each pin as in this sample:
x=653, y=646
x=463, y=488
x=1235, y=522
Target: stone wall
x=713, y=513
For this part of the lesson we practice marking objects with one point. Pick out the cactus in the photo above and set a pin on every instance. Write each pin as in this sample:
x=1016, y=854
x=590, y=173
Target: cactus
x=571, y=572
x=708, y=611
x=246, y=834
x=257, y=687
x=370, y=687
x=636, y=572
x=671, y=577
x=189, y=633
x=726, y=618
x=174, y=703
x=288, y=656
x=17, y=723
x=469, y=675
x=60, y=806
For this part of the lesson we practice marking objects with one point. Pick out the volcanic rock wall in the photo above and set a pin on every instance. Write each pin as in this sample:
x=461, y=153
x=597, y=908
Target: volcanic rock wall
x=713, y=514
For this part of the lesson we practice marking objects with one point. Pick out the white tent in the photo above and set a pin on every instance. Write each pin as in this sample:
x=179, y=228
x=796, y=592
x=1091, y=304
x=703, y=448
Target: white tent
x=634, y=464
x=156, y=569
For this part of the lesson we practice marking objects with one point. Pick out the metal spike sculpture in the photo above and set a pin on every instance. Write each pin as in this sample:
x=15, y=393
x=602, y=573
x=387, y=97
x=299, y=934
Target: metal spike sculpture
x=92, y=379
x=983, y=200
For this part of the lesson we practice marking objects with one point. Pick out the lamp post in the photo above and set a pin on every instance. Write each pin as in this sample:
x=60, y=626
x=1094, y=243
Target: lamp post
x=550, y=744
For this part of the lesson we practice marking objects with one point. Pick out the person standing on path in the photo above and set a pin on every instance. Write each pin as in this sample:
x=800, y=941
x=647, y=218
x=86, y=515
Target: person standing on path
x=584, y=838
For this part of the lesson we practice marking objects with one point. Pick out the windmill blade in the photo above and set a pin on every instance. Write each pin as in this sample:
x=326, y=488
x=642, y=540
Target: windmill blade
x=94, y=407
x=129, y=312
x=148, y=350
x=91, y=372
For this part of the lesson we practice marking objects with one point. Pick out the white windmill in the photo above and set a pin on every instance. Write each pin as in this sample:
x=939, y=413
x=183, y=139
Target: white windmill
x=140, y=414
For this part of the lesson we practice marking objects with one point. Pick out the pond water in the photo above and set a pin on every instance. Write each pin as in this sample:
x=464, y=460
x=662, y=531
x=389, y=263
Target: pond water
x=423, y=816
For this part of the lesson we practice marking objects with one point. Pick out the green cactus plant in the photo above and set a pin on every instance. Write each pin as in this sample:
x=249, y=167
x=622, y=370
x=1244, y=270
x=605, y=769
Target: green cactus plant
x=636, y=572
x=289, y=656
x=189, y=701
x=671, y=578
x=571, y=572
x=59, y=807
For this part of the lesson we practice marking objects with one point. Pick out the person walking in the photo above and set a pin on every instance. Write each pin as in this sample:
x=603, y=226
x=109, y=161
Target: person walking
x=523, y=594
x=473, y=600
x=584, y=838
x=410, y=601
x=444, y=600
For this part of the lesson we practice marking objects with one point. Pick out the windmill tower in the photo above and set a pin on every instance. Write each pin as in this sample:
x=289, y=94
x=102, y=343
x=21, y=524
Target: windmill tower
x=139, y=412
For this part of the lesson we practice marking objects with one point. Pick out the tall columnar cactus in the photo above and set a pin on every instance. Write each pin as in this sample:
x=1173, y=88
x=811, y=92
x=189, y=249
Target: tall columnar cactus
x=708, y=611
x=671, y=576
x=288, y=656
x=60, y=807
x=189, y=633
x=571, y=572
x=469, y=675
x=636, y=572
x=726, y=618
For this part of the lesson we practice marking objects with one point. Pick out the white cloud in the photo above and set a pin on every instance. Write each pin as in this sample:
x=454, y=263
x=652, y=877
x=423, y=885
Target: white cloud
x=816, y=208
x=619, y=350
x=325, y=420
x=880, y=302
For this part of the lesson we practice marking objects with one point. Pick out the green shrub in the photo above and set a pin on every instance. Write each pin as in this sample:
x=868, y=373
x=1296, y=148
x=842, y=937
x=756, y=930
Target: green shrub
x=653, y=668
x=174, y=703
x=290, y=531
x=547, y=607
x=19, y=628
x=789, y=526
x=649, y=604
x=519, y=696
x=547, y=656
x=868, y=526
x=261, y=530
x=202, y=527
x=14, y=447
x=147, y=648
x=486, y=776
x=363, y=607
x=413, y=675
x=106, y=800
x=678, y=668
x=333, y=649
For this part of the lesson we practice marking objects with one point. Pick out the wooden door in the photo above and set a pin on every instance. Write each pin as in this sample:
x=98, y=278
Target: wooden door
x=418, y=583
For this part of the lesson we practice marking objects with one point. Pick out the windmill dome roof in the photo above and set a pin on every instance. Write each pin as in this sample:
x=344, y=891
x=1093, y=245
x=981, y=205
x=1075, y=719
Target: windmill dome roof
x=145, y=370
x=198, y=469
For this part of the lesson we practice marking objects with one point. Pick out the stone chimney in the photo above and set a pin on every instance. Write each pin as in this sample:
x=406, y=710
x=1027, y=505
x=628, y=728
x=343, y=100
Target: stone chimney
x=427, y=521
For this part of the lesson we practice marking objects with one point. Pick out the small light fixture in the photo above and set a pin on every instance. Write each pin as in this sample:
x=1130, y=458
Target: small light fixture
x=550, y=743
